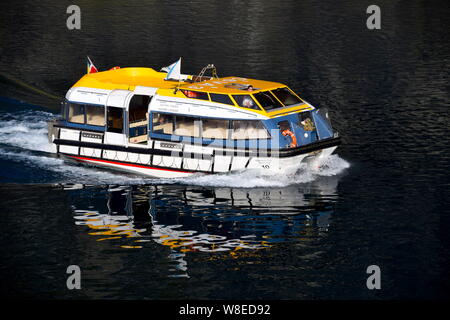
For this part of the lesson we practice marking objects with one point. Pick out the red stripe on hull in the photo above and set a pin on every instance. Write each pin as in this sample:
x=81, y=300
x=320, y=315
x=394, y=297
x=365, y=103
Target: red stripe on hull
x=127, y=164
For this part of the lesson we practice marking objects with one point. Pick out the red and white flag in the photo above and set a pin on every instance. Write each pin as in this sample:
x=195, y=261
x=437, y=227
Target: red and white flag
x=90, y=66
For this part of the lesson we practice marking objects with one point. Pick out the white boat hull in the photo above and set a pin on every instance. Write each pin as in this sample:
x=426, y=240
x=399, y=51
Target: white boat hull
x=272, y=165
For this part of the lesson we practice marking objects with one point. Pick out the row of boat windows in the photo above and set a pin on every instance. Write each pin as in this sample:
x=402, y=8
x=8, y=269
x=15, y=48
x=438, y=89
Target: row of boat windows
x=167, y=123
x=268, y=100
x=85, y=114
x=208, y=128
x=95, y=115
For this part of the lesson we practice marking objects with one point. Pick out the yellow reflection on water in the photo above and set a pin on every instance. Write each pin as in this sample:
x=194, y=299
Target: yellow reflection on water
x=111, y=227
x=218, y=215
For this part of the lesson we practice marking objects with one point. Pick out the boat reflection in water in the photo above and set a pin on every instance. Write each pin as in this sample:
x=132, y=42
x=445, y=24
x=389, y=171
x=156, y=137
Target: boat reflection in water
x=204, y=219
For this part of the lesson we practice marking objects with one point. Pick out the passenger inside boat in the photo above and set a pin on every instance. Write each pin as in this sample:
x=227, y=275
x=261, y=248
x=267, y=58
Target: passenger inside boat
x=246, y=101
x=285, y=129
x=308, y=125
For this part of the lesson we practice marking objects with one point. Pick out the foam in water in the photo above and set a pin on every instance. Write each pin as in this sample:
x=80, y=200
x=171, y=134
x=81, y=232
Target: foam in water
x=331, y=166
x=23, y=137
x=26, y=129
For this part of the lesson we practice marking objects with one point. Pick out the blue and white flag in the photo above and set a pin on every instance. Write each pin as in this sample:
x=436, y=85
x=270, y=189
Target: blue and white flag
x=173, y=71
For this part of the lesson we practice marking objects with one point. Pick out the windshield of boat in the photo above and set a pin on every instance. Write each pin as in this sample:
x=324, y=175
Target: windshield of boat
x=286, y=96
x=277, y=98
x=267, y=100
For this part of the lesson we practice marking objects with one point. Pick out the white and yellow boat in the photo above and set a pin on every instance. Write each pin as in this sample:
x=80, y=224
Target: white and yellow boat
x=167, y=124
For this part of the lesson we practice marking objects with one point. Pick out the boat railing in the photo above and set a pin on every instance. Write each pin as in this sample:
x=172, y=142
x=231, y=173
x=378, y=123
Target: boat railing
x=200, y=77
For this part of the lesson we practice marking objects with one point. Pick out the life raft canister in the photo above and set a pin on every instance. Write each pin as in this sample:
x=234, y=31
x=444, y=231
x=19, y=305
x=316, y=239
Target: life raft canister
x=289, y=133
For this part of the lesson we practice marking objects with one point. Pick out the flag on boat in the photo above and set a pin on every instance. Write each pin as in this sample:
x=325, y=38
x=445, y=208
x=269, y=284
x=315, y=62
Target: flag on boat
x=90, y=66
x=173, y=71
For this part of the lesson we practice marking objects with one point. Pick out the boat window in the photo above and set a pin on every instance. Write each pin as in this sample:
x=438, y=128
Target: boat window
x=248, y=129
x=115, y=119
x=163, y=123
x=95, y=115
x=195, y=94
x=305, y=120
x=286, y=96
x=215, y=128
x=221, y=98
x=246, y=101
x=138, y=107
x=284, y=125
x=187, y=126
x=267, y=100
x=324, y=115
x=76, y=113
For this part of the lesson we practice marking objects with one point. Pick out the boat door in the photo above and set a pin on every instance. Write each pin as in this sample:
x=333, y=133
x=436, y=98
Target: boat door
x=115, y=117
x=138, y=114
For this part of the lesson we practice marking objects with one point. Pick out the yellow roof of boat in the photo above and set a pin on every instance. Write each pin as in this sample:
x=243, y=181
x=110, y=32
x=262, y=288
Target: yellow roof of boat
x=130, y=77
x=232, y=85
x=126, y=79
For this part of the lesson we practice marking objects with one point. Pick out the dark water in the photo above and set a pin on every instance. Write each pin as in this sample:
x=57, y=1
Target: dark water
x=382, y=200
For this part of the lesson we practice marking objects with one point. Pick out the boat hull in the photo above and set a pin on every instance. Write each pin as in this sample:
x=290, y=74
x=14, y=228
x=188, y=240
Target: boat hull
x=166, y=159
x=290, y=164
